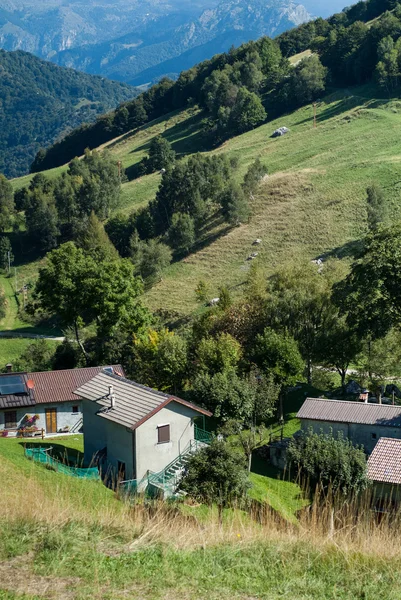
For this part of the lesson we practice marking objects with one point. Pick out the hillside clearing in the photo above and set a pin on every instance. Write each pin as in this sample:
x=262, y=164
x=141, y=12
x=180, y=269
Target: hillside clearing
x=312, y=203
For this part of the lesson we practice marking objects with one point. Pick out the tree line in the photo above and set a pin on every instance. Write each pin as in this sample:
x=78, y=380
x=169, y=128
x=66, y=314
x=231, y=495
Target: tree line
x=234, y=90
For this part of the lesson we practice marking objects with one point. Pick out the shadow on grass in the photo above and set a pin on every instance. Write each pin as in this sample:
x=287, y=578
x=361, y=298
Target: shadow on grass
x=352, y=249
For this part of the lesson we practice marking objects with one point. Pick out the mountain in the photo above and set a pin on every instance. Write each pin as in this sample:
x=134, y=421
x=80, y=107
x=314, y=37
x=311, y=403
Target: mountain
x=142, y=57
x=40, y=102
x=139, y=41
x=45, y=27
x=168, y=49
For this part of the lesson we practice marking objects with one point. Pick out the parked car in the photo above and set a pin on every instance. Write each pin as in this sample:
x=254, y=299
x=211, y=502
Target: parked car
x=280, y=131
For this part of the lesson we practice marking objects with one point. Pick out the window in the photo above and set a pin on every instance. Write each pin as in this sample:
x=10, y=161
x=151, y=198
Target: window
x=10, y=419
x=373, y=436
x=163, y=434
x=75, y=409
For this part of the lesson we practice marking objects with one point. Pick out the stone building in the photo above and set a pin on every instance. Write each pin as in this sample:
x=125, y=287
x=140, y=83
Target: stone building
x=362, y=423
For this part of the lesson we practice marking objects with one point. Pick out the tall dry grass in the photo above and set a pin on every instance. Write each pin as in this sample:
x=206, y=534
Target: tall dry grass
x=351, y=525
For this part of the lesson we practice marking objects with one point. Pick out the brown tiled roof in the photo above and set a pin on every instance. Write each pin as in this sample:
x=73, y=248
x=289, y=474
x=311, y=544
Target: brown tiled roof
x=135, y=403
x=59, y=386
x=340, y=411
x=384, y=463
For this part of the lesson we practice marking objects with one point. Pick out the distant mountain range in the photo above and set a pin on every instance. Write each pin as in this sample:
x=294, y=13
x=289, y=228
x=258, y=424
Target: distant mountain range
x=40, y=102
x=139, y=41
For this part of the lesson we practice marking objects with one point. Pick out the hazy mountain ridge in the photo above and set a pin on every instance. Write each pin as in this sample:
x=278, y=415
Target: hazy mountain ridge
x=120, y=39
x=142, y=57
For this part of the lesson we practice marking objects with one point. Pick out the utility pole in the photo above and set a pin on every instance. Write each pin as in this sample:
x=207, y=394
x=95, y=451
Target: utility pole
x=9, y=261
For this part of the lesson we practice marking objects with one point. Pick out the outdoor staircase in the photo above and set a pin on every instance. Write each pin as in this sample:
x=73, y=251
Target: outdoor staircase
x=164, y=483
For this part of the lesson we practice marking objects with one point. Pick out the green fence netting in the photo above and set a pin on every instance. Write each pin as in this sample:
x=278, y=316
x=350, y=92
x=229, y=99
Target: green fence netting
x=41, y=455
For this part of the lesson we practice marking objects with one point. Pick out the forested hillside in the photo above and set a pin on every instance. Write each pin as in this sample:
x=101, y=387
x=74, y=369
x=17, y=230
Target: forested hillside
x=236, y=89
x=41, y=102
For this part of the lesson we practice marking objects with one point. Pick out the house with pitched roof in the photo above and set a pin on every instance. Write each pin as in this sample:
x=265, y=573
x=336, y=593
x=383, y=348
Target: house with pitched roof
x=384, y=470
x=49, y=395
x=133, y=431
x=362, y=423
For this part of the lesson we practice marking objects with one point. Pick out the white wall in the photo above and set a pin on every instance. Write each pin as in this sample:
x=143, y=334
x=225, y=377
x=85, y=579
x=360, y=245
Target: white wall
x=65, y=416
x=95, y=438
x=101, y=433
x=151, y=456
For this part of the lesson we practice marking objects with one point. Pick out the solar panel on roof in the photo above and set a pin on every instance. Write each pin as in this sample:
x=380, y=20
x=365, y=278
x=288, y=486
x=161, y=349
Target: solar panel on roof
x=12, y=384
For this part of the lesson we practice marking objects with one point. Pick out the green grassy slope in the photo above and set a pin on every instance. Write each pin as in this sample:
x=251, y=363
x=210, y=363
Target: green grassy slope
x=312, y=202
x=71, y=539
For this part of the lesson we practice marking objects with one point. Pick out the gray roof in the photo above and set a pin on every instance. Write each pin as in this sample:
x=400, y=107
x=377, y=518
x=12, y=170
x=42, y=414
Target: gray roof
x=384, y=463
x=134, y=403
x=341, y=411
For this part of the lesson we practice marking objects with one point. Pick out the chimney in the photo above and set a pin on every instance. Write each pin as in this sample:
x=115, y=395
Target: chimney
x=9, y=368
x=112, y=397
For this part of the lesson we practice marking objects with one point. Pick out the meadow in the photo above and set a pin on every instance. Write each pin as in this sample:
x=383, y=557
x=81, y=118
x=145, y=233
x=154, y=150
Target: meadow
x=73, y=539
x=312, y=202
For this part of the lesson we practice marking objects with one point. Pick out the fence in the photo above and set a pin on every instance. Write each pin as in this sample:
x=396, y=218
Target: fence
x=42, y=456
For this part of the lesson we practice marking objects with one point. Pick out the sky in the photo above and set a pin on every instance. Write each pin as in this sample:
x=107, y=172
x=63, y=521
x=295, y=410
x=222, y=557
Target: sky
x=325, y=8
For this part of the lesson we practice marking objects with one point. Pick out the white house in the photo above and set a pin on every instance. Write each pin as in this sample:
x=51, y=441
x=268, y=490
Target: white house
x=133, y=430
x=49, y=395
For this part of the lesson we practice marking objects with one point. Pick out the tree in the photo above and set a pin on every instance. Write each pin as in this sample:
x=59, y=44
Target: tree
x=80, y=290
x=95, y=241
x=225, y=300
x=370, y=296
x=161, y=155
x=305, y=82
x=253, y=177
x=248, y=111
x=181, y=234
x=155, y=257
x=278, y=355
x=299, y=302
x=235, y=206
x=202, y=292
x=330, y=461
x=376, y=205
x=216, y=475
x=339, y=345
x=6, y=203
x=160, y=359
x=248, y=440
x=63, y=286
x=38, y=356
x=6, y=253
x=225, y=394
x=42, y=221
x=218, y=355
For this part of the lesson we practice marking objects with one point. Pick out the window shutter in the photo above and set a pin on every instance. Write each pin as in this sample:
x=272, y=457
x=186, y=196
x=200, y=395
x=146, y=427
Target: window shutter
x=163, y=434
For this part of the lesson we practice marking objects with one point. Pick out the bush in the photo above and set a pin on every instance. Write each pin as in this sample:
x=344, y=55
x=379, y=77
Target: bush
x=336, y=462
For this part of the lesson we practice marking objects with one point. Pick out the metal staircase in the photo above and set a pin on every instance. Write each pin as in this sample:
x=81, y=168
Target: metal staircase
x=164, y=483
